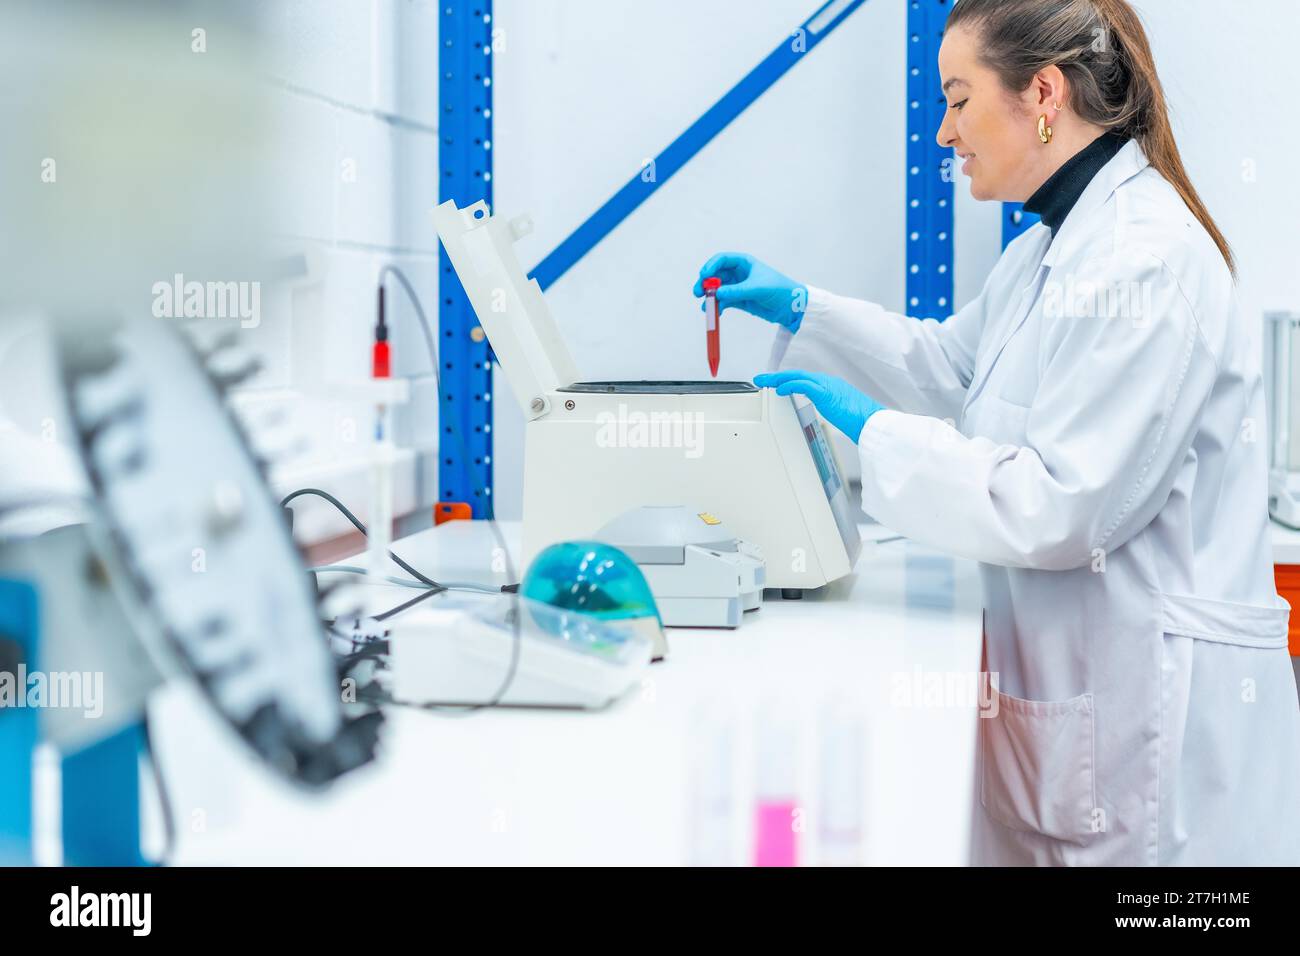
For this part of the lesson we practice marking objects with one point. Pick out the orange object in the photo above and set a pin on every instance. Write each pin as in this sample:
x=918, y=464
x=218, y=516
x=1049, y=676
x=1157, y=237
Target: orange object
x=1288, y=585
x=445, y=511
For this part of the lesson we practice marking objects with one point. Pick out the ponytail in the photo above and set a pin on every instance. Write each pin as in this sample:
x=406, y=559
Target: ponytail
x=1103, y=50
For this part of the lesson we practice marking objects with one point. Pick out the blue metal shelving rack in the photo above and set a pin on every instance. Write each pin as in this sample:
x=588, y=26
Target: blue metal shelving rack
x=932, y=172
x=930, y=168
x=465, y=175
x=1015, y=222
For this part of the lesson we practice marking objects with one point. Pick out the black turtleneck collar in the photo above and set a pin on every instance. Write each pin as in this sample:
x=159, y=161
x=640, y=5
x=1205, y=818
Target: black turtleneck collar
x=1056, y=197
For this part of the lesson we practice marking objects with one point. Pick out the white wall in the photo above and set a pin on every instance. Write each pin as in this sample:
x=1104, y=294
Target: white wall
x=1227, y=70
x=354, y=83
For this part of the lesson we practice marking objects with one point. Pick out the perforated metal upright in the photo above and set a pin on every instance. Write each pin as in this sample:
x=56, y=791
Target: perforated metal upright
x=1015, y=222
x=465, y=175
x=930, y=168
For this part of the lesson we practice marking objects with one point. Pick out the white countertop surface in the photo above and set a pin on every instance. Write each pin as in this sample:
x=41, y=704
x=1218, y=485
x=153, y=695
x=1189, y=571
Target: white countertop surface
x=622, y=786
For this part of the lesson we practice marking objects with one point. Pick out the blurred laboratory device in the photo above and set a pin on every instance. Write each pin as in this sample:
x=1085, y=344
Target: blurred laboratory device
x=181, y=565
x=581, y=633
x=513, y=652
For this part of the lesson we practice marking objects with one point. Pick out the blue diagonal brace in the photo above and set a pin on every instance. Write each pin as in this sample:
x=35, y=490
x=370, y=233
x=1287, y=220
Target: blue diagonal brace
x=699, y=134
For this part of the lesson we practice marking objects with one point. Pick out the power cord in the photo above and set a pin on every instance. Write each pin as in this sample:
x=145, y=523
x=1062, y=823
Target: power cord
x=405, y=605
x=434, y=588
x=516, y=647
x=372, y=651
x=355, y=569
x=356, y=523
x=403, y=582
x=375, y=695
x=164, y=799
x=427, y=329
x=378, y=696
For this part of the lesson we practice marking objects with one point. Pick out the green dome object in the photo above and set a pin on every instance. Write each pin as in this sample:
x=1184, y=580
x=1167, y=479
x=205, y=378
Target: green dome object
x=590, y=578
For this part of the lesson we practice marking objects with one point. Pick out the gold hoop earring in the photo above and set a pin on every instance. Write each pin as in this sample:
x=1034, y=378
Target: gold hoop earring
x=1044, y=131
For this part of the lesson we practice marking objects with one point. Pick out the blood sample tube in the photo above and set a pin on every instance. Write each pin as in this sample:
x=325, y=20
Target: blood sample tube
x=711, y=325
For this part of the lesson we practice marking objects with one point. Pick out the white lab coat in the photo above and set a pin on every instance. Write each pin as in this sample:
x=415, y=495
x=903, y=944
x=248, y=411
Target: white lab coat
x=1092, y=430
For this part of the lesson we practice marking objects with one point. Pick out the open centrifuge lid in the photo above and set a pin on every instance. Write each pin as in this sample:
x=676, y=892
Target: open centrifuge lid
x=510, y=306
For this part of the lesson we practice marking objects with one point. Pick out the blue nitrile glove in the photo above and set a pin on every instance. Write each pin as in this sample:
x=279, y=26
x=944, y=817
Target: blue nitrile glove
x=756, y=288
x=837, y=401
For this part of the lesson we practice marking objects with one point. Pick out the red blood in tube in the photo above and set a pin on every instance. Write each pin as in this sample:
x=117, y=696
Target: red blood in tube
x=711, y=323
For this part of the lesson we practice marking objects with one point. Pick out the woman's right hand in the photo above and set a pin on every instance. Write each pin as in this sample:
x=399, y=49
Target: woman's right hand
x=753, y=287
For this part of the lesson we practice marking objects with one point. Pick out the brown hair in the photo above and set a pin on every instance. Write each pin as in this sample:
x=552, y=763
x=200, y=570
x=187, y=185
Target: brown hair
x=1102, y=48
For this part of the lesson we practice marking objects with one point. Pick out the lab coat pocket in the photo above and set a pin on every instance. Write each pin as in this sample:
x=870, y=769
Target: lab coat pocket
x=1037, y=766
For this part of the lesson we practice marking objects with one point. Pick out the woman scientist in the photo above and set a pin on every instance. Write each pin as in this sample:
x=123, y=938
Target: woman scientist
x=1089, y=429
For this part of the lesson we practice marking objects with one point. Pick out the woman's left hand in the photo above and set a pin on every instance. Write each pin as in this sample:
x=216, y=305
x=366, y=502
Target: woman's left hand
x=837, y=401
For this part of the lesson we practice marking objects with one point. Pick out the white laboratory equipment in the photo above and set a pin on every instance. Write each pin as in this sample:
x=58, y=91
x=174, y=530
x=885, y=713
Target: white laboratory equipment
x=198, y=552
x=701, y=573
x=1280, y=357
x=758, y=458
x=512, y=652
x=178, y=568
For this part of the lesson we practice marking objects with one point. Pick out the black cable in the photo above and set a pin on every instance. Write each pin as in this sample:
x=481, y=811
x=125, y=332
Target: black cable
x=516, y=613
x=427, y=330
x=377, y=649
x=434, y=585
x=164, y=800
x=406, y=605
x=356, y=523
x=516, y=649
x=375, y=695
x=512, y=670
x=370, y=651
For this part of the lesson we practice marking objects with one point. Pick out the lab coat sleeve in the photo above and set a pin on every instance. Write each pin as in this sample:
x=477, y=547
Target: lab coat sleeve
x=1117, y=406
x=908, y=364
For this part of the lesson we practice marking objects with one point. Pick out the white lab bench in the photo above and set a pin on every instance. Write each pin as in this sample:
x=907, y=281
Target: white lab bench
x=615, y=787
